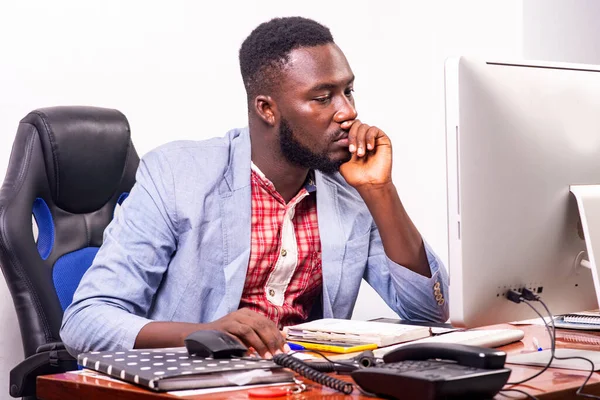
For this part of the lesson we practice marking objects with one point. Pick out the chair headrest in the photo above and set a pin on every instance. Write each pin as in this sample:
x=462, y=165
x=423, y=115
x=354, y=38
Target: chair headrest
x=85, y=150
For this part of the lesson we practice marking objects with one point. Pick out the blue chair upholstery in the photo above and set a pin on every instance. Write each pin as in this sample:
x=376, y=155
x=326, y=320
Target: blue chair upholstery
x=69, y=169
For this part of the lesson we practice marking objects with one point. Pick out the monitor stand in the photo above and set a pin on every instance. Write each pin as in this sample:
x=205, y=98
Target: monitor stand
x=588, y=202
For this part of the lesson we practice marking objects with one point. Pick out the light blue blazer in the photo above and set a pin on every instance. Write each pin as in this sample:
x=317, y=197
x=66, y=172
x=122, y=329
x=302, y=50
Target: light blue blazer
x=179, y=250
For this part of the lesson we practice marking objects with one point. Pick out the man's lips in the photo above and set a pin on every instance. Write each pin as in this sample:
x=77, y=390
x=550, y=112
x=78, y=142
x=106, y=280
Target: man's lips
x=342, y=139
x=342, y=136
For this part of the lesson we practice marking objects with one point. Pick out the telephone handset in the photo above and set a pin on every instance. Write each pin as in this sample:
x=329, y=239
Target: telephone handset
x=471, y=356
x=436, y=371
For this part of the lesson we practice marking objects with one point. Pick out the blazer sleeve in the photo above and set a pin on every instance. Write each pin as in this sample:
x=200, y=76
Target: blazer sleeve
x=411, y=295
x=114, y=296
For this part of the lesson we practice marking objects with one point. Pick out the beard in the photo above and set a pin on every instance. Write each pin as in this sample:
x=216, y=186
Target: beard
x=300, y=155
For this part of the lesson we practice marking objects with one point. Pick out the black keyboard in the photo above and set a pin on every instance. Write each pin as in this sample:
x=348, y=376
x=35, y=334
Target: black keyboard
x=431, y=379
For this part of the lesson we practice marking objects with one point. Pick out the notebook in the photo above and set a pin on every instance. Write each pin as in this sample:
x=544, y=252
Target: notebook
x=588, y=320
x=577, y=338
x=174, y=369
x=359, y=332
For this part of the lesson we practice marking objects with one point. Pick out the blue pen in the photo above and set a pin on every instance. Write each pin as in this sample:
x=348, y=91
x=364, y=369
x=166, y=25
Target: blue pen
x=295, y=347
x=536, y=344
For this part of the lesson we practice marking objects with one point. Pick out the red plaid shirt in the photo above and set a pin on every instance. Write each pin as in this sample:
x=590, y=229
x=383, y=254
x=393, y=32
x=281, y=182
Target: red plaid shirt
x=278, y=285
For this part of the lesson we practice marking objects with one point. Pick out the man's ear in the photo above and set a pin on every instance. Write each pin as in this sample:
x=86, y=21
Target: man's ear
x=266, y=109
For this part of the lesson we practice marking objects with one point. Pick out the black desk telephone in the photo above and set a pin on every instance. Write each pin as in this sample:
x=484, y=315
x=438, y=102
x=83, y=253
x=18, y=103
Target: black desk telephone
x=436, y=371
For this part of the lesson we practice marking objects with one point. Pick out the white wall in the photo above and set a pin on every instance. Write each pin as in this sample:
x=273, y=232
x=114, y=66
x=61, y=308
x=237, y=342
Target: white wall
x=171, y=68
x=562, y=30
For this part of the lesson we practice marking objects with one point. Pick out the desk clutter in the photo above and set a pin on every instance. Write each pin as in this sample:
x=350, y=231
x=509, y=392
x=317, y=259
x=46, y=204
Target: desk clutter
x=214, y=359
x=444, y=366
x=175, y=369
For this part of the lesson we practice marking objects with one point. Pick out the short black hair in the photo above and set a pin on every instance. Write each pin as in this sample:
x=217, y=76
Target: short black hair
x=267, y=48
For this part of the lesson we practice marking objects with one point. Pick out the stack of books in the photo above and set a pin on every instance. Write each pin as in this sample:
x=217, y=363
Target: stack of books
x=330, y=330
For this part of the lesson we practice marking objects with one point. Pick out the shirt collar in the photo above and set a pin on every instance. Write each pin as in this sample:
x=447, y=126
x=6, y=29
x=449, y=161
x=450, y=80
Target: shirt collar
x=309, y=184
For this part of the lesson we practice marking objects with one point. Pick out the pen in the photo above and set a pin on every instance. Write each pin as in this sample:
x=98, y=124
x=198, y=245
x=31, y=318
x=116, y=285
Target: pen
x=536, y=344
x=295, y=346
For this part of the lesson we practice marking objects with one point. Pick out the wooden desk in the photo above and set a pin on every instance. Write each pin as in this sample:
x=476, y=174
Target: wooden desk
x=553, y=384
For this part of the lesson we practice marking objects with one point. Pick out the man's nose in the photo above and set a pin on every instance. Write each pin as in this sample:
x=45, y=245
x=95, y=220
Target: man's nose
x=346, y=111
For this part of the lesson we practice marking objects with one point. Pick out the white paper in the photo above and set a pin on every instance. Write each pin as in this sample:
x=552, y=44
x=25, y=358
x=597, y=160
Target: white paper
x=533, y=321
x=541, y=358
x=305, y=356
x=245, y=377
x=354, y=327
x=196, y=392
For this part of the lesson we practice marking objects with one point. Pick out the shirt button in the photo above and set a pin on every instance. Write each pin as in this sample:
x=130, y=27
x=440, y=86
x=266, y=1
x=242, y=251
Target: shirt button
x=271, y=292
x=283, y=252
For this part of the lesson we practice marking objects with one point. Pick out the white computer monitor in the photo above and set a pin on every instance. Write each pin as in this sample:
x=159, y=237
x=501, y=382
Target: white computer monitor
x=518, y=136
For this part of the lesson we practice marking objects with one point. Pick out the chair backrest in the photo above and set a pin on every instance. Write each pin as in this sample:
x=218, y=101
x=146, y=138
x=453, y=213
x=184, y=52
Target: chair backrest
x=69, y=169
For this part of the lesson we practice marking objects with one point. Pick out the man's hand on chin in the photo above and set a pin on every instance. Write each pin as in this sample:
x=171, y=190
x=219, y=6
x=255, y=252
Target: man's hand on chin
x=371, y=164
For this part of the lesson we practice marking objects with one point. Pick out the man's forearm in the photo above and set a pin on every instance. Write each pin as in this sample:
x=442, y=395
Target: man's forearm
x=402, y=241
x=164, y=334
x=251, y=328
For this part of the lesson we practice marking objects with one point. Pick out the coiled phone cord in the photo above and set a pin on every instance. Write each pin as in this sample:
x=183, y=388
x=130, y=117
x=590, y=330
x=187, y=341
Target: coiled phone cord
x=306, y=371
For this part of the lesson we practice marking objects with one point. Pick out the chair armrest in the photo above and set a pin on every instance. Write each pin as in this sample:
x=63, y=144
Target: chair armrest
x=51, y=358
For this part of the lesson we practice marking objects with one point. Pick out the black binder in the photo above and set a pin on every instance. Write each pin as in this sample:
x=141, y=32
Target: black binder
x=174, y=369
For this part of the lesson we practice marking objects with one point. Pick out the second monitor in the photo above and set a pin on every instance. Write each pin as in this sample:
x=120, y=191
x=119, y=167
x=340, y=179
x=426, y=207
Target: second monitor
x=519, y=135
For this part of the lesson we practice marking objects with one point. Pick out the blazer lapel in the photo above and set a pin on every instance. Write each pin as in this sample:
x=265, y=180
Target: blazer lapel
x=236, y=213
x=332, y=241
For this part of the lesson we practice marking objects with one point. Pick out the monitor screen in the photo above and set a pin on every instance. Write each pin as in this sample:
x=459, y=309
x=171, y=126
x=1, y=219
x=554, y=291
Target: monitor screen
x=518, y=135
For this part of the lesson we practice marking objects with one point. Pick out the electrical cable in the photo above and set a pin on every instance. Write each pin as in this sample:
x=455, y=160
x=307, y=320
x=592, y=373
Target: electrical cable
x=529, y=396
x=580, y=389
x=525, y=297
x=551, y=340
x=362, y=360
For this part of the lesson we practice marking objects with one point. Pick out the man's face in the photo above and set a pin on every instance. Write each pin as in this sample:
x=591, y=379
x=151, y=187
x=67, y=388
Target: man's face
x=314, y=98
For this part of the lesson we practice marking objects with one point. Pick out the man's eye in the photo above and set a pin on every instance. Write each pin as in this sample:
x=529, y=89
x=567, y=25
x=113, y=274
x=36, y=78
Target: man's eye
x=322, y=100
x=349, y=92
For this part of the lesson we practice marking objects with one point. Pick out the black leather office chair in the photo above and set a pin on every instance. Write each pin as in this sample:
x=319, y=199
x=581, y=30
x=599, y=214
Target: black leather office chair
x=69, y=168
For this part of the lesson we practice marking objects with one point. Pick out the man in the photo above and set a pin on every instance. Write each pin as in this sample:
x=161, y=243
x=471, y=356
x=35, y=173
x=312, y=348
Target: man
x=258, y=230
